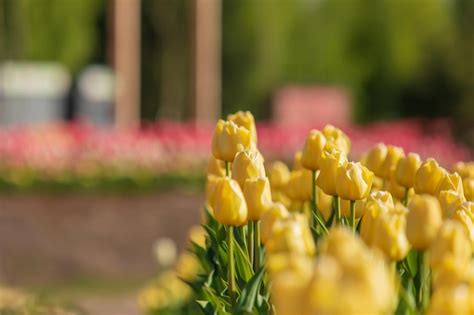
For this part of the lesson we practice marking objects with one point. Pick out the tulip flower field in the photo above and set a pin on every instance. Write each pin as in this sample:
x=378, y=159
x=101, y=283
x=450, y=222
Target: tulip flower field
x=81, y=156
x=384, y=230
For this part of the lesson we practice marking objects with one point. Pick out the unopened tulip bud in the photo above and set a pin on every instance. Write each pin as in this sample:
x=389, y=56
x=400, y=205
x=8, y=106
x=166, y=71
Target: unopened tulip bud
x=467, y=221
x=211, y=185
x=329, y=163
x=229, y=139
x=465, y=170
x=450, y=182
x=276, y=211
x=468, y=187
x=291, y=235
x=392, y=186
x=390, y=237
x=313, y=147
x=423, y=221
x=278, y=174
x=450, y=200
x=215, y=167
x=394, y=154
x=297, y=165
x=406, y=170
x=354, y=181
x=247, y=164
x=428, y=177
x=375, y=158
x=450, y=300
x=246, y=120
x=258, y=197
x=229, y=203
x=337, y=138
x=299, y=186
x=377, y=202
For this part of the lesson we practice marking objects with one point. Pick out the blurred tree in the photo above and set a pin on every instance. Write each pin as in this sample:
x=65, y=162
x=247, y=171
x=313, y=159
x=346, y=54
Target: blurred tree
x=65, y=31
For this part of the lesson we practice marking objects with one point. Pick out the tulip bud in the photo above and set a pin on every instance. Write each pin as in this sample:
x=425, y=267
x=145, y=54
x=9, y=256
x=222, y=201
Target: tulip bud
x=450, y=182
x=394, y=154
x=277, y=211
x=392, y=186
x=375, y=158
x=389, y=235
x=423, y=220
x=450, y=200
x=450, y=300
x=247, y=164
x=291, y=235
x=329, y=163
x=466, y=219
x=216, y=167
x=346, y=210
x=258, y=197
x=325, y=203
x=211, y=185
x=229, y=203
x=297, y=164
x=337, y=138
x=406, y=170
x=229, y=139
x=465, y=170
x=373, y=209
x=451, y=251
x=354, y=181
x=428, y=177
x=246, y=120
x=468, y=187
x=278, y=174
x=299, y=186
x=312, y=150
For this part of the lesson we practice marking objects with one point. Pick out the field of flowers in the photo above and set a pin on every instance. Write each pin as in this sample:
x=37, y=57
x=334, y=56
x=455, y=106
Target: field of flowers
x=389, y=231
x=168, y=154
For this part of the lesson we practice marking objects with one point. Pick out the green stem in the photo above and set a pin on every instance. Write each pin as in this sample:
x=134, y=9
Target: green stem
x=424, y=284
x=315, y=217
x=256, y=259
x=353, y=217
x=230, y=266
x=338, y=209
x=251, y=240
x=405, y=197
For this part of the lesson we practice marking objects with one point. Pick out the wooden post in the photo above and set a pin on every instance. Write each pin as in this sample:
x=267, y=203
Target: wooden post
x=207, y=60
x=126, y=60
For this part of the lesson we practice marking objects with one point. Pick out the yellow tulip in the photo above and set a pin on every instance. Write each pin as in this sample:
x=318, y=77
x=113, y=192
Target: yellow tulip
x=278, y=174
x=373, y=210
x=291, y=235
x=377, y=183
x=428, y=177
x=359, y=208
x=389, y=235
x=211, y=185
x=337, y=138
x=392, y=186
x=468, y=206
x=279, y=195
x=229, y=203
x=450, y=300
x=277, y=211
x=466, y=170
x=313, y=147
x=394, y=155
x=341, y=244
x=423, y=221
x=450, y=252
x=325, y=203
x=468, y=187
x=229, y=139
x=215, y=167
x=246, y=120
x=258, y=197
x=297, y=165
x=375, y=158
x=354, y=181
x=247, y=164
x=449, y=201
x=450, y=182
x=467, y=221
x=406, y=170
x=330, y=161
x=299, y=186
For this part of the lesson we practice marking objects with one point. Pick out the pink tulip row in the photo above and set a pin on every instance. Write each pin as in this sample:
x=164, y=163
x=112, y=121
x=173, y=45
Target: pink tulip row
x=166, y=147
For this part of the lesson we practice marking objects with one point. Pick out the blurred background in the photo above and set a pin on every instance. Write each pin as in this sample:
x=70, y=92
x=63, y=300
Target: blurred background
x=107, y=108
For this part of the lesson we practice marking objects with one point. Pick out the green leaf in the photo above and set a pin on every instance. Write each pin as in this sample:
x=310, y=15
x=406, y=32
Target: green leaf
x=411, y=263
x=249, y=294
x=242, y=262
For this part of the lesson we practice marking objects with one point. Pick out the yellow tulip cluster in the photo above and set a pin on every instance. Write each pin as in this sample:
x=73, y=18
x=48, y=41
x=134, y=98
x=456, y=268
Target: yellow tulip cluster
x=344, y=236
